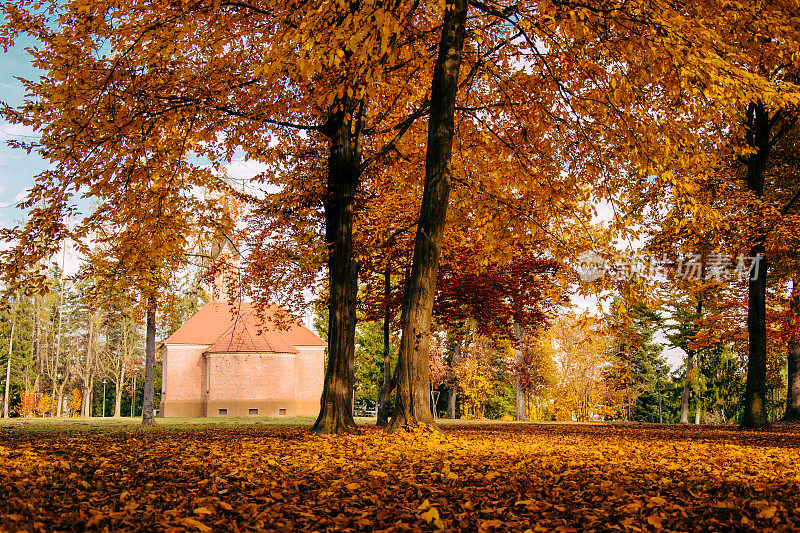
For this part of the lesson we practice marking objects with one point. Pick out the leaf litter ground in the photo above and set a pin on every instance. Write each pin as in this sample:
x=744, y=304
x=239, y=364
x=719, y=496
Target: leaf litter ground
x=509, y=477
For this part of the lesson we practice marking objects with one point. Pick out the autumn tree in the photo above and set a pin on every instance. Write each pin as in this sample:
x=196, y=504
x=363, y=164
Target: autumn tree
x=578, y=43
x=534, y=372
x=413, y=369
x=221, y=79
x=581, y=351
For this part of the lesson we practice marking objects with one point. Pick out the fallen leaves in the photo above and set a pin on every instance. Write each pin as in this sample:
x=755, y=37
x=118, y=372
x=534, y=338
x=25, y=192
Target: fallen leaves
x=479, y=478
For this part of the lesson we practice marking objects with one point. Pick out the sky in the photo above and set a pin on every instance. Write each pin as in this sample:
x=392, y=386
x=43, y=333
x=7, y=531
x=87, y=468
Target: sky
x=18, y=170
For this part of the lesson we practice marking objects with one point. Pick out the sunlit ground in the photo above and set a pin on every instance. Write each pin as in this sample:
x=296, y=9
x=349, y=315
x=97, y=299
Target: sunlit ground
x=272, y=474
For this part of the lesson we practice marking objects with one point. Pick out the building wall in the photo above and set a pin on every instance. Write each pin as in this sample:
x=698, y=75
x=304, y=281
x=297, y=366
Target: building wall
x=310, y=374
x=182, y=383
x=242, y=384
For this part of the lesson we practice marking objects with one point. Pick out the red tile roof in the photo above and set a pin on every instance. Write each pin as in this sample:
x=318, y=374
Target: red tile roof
x=236, y=327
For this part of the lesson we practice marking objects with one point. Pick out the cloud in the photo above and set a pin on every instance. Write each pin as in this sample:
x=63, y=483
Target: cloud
x=16, y=130
x=21, y=195
x=244, y=169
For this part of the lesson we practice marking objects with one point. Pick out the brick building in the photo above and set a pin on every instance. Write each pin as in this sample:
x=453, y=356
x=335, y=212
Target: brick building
x=225, y=362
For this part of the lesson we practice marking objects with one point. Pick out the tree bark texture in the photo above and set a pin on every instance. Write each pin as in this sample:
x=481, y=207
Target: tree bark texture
x=336, y=414
x=755, y=411
x=148, y=416
x=792, y=413
x=413, y=384
x=385, y=393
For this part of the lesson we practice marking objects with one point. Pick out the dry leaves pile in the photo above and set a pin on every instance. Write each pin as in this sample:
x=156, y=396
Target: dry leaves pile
x=478, y=478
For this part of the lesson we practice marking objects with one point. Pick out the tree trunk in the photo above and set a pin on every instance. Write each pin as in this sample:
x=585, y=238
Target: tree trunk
x=86, y=408
x=336, y=414
x=452, y=395
x=118, y=391
x=793, y=359
x=413, y=384
x=8, y=363
x=90, y=401
x=687, y=388
x=519, y=389
x=755, y=412
x=87, y=378
x=60, y=402
x=452, y=399
x=133, y=397
x=385, y=393
x=148, y=417
x=658, y=390
x=352, y=322
x=8, y=389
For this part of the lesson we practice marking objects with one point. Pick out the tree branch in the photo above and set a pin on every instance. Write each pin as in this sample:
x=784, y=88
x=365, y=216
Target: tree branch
x=403, y=128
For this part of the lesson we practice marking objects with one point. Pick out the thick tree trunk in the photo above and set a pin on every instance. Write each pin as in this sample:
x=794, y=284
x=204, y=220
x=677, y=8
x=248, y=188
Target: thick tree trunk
x=755, y=395
x=793, y=359
x=385, y=393
x=413, y=384
x=148, y=416
x=519, y=389
x=336, y=414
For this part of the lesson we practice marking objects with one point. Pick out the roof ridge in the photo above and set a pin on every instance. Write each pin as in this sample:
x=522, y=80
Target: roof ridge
x=220, y=337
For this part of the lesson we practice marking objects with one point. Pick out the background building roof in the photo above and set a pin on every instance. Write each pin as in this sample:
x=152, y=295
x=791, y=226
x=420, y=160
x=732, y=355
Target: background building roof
x=236, y=327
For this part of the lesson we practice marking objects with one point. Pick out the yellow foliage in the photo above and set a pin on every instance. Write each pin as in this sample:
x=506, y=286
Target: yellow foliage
x=44, y=404
x=75, y=403
x=27, y=403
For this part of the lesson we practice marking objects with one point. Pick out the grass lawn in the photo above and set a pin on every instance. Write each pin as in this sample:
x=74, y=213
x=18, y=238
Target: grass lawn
x=258, y=474
x=129, y=424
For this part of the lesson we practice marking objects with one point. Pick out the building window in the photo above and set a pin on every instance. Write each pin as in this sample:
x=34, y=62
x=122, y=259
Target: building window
x=252, y=411
x=223, y=412
x=281, y=411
